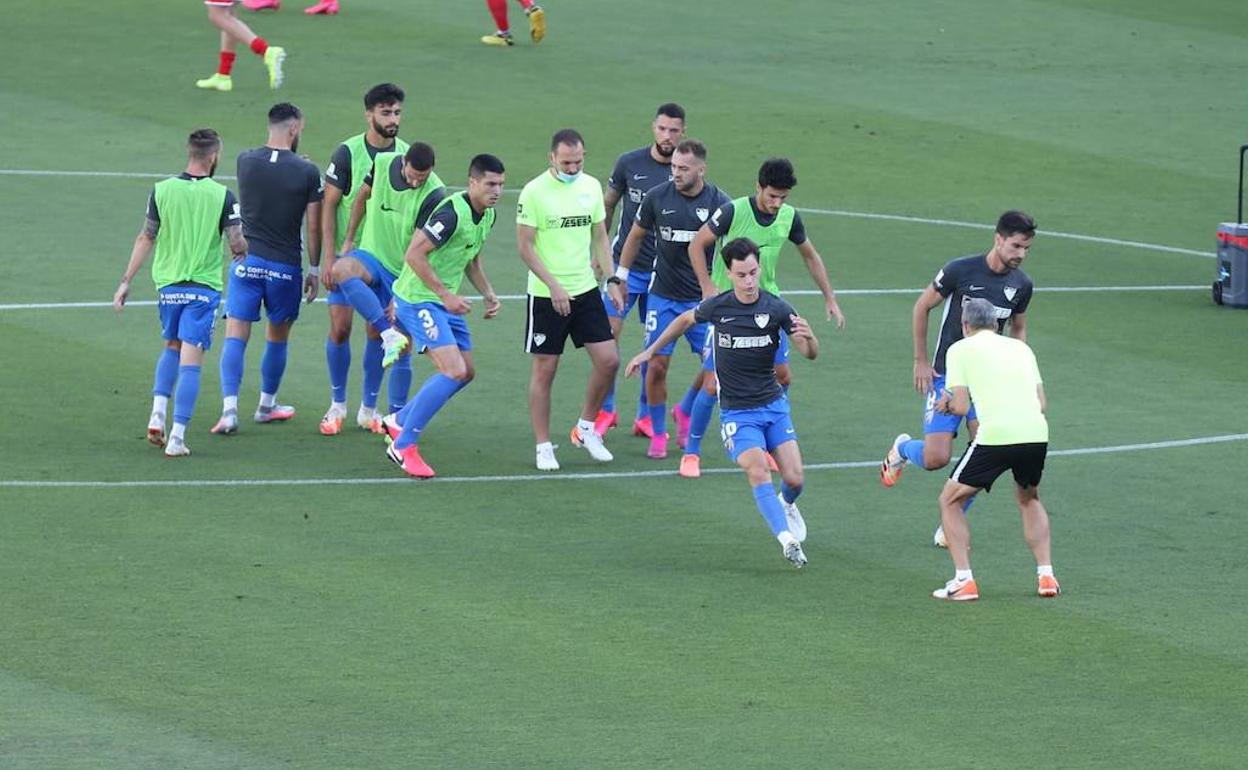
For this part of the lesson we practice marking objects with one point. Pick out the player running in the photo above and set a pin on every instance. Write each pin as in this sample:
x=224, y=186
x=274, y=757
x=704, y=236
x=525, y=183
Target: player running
x=560, y=230
x=233, y=32
x=674, y=211
x=747, y=324
x=427, y=302
x=278, y=190
x=635, y=172
x=398, y=195
x=350, y=163
x=502, y=37
x=187, y=215
x=995, y=276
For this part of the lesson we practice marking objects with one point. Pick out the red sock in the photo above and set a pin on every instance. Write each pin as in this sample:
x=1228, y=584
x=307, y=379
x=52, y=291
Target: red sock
x=227, y=63
x=498, y=9
x=258, y=46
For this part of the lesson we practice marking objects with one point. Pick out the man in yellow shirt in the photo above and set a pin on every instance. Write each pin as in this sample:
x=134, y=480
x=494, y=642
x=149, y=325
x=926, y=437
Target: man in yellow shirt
x=1001, y=375
x=560, y=229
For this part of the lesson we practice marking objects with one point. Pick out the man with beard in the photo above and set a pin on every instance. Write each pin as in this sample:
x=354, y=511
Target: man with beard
x=278, y=189
x=350, y=163
x=187, y=215
x=636, y=172
x=994, y=276
x=674, y=211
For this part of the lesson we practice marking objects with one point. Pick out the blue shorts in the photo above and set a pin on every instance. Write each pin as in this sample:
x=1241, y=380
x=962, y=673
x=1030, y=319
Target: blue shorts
x=255, y=282
x=765, y=427
x=937, y=422
x=188, y=313
x=638, y=291
x=708, y=350
x=432, y=326
x=660, y=315
x=383, y=279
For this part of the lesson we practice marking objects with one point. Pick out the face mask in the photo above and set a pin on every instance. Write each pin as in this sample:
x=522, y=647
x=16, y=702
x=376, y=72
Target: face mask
x=567, y=178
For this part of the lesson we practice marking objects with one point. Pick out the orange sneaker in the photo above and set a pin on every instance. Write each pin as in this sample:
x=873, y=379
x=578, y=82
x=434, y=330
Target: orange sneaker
x=331, y=423
x=890, y=469
x=1047, y=586
x=958, y=591
x=605, y=421
x=690, y=466
x=323, y=8
x=410, y=460
x=643, y=427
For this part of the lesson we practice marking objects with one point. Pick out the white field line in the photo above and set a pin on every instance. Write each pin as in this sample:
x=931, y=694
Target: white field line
x=605, y=475
x=826, y=212
x=799, y=292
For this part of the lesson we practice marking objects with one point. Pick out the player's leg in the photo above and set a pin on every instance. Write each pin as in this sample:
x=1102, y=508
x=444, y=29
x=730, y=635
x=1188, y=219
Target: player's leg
x=541, y=378
x=656, y=395
x=958, y=535
x=243, y=298
x=224, y=19
x=588, y=327
x=366, y=285
x=221, y=80
x=1028, y=467
x=195, y=335
x=338, y=360
x=502, y=35
x=703, y=409
x=682, y=412
x=744, y=440
x=283, y=295
x=537, y=19
x=931, y=452
x=165, y=380
x=639, y=293
x=782, y=442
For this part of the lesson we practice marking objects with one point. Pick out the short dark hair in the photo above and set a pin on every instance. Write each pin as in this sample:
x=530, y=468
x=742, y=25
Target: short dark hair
x=738, y=249
x=282, y=112
x=692, y=147
x=569, y=136
x=671, y=110
x=383, y=93
x=419, y=156
x=484, y=164
x=1015, y=222
x=203, y=142
x=777, y=173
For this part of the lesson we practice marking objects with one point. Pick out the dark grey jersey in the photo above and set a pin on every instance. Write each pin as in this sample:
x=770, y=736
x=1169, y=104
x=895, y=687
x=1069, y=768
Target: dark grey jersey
x=636, y=172
x=745, y=339
x=971, y=278
x=675, y=219
x=338, y=172
x=275, y=188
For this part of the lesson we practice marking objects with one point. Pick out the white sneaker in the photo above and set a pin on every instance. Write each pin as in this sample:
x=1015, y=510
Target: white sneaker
x=176, y=448
x=591, y=442
x=546, y=458
x=366, y=418
x=792, y=549
x=156, y=429
x=958, y=591
x=797, y=525
x=227, y=425
x=890, y=469
x=393, y=343
x=938, y=539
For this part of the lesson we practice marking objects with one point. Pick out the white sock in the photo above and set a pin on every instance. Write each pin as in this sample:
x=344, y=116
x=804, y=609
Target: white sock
x=546, y=445
x=1044, y=570
x=268, y=400
x=229, y=403
x=160, y=405
x=178, y=433
x=340, y=406
x=962, y=574
x=585, y=426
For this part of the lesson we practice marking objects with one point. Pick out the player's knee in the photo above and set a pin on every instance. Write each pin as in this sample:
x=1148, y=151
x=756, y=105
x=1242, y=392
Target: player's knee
x=709, y=387
x=346, y=269
x=794, y=478
x=758, y=473
x=935, y=458
x=657, y=366
x=1026, y=495
x=173, y=344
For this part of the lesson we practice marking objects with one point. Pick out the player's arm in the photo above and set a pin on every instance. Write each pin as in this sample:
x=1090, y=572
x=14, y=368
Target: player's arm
x=475, y=272
x=679, y=325
x=923, y=371
x=312, y=281
x=417, y=258
x=329, y=233
x=237, y=243
x=610, y=198
x=526, y=240
x=602, y=251
x=357, y=215
x=803, y=337
x=142, y=249
x=819, y=272
x=956, y=400
x=702, y=242
x=1018, y=327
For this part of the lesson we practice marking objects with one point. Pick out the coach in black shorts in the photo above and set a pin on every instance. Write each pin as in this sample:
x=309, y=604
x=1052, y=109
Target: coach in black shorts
x=1001, y=375
x=560, y=220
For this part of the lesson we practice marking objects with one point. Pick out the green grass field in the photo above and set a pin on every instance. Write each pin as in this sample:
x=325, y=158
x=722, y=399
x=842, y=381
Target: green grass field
x=305, y=606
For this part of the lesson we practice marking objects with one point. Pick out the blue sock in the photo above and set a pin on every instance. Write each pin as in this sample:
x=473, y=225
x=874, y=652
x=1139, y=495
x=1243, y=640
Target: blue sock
x=966, y=507
x=790, y=493
x=272, y=366
x=372, y=372
x=912, y=450
x=643, y=405
x=608, y=403
x=232, y=365
x=400, y=382
x=769, y=505
x=658, y=418
x=365, y=302
x=339, y=359
x=187, y=393
x=431, y=397
x=686, y=403
x=699, y=421
x=166, y=373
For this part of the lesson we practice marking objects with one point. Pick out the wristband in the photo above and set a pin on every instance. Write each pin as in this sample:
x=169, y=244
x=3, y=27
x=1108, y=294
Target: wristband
x=314, y=271
x=621, y=272
x=615, y=279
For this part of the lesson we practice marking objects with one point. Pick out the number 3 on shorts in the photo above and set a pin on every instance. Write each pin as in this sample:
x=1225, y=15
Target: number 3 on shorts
x=726, y=432
x=426, y=319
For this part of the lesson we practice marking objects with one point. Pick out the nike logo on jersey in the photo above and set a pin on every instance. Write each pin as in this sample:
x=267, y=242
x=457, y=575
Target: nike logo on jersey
x=384, y=207
x=725, y=320
x=668, y=211
x=973, y=287
x=640, y=176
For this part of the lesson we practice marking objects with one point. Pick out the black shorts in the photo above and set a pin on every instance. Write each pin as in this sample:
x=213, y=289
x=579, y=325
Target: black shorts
x=982, y=464
x=545, y=330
